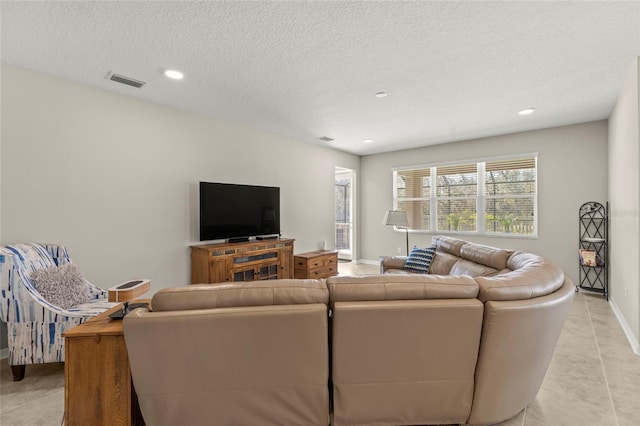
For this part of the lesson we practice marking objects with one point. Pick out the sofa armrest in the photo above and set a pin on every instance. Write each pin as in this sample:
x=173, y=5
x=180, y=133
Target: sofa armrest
x=392, y=262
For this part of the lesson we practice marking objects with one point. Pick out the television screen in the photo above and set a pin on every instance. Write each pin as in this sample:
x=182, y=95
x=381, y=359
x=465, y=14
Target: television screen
x=229, y=211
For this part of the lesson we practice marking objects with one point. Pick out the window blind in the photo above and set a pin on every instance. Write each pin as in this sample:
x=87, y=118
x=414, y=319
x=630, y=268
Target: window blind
x=493, y=196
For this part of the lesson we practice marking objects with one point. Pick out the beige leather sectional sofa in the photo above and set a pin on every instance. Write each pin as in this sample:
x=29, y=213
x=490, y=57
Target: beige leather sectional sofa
x=468, y=343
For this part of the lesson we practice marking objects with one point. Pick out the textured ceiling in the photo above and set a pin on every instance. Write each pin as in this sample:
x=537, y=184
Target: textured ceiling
x=453, y=70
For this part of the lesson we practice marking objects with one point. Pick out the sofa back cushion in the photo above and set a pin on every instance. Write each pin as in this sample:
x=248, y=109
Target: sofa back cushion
x=531, y=276
x=404, y=362
x=484, y=255
x=459, y=257
x=401, y=287
x=472, y=269
x=252, y=365
x=448, y=244
x=442, y=263
x=227, y=295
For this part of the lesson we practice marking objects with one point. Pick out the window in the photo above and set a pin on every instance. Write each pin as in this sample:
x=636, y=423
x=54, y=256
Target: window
x=496, y=196
x=412, y=193
x=456, y=195
x=510, y=196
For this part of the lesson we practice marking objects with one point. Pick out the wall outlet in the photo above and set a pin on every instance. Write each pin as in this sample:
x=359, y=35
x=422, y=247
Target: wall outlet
x=399, y=250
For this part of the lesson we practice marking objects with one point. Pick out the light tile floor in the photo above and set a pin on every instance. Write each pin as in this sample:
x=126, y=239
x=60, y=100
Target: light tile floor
x=593, y=379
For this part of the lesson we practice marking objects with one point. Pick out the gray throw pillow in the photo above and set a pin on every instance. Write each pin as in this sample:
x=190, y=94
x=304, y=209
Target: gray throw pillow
x=63, y=286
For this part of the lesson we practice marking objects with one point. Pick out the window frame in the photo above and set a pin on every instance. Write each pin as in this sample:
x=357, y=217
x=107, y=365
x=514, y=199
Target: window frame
x=480, y=196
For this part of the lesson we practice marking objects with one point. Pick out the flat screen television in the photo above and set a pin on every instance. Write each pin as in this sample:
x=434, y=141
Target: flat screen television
x=238, y=212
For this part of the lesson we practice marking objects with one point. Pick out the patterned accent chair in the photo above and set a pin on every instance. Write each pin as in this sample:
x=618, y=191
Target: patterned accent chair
x=34, y=325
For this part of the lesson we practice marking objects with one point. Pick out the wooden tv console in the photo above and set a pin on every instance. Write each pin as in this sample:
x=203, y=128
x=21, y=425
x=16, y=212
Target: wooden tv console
x=245, y=261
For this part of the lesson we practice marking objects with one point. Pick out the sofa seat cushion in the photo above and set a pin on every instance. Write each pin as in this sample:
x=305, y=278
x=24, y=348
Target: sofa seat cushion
x=401, y=287
x=237, y=294
x=531, y=276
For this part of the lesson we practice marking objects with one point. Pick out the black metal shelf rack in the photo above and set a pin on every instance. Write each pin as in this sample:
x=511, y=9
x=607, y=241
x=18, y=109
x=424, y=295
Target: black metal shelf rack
x=594, y=237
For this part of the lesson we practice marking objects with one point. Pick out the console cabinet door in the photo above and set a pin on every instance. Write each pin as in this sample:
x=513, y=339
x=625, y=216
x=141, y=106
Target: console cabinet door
x=220, y=270
x=242, y=274
x=286, y=262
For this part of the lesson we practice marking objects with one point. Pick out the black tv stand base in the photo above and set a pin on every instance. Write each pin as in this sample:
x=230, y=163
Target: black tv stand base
x=238, y=240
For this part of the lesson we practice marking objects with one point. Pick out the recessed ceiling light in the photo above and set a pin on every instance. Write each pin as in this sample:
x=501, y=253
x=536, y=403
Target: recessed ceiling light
x=367, y=140
x=174, y=74
x=381, y=95
x=526, y=111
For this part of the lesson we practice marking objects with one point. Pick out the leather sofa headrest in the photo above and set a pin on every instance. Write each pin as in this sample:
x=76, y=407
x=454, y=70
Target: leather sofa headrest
x=493, y=257
x=448, y=244
x=237, y=294
x=401, y=287
x=489, y=256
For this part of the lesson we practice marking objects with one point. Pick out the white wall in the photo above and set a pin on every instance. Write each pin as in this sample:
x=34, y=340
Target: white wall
x=624, y=191
x=3, y=326
x=115, y=178
x=572, y=169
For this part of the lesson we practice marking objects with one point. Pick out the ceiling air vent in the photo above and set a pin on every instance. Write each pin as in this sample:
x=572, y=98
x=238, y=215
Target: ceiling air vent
x=126, y=80
x=325, y=139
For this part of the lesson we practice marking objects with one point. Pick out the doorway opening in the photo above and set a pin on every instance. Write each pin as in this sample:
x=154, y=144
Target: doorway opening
x=344, y=180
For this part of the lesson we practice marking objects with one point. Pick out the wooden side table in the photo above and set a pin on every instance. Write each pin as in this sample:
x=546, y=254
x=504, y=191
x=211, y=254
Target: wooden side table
x=98, y=389
x=316, y=264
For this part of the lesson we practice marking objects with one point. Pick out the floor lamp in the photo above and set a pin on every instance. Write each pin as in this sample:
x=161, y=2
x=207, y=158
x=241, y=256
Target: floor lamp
x=399, y=219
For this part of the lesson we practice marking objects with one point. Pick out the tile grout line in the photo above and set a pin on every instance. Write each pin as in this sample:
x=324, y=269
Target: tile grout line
x=606, y=381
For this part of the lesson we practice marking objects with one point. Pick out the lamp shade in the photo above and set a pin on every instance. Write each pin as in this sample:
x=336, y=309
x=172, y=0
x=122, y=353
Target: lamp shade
x=396, y=218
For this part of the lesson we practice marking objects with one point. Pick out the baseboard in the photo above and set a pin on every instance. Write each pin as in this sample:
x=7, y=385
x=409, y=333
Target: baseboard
x=633, y=341
x=4, y=353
